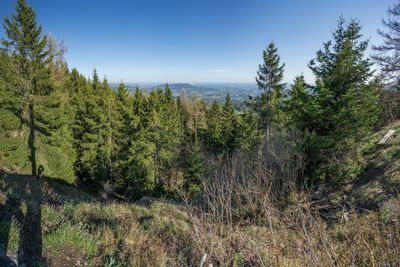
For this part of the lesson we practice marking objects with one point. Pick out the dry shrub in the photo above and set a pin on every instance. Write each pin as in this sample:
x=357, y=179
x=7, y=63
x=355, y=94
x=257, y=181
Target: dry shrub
x=241, y=188
x=300, y=237
x=252, y=214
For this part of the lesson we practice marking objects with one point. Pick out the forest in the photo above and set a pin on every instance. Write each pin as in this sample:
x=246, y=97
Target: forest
x=236, y=183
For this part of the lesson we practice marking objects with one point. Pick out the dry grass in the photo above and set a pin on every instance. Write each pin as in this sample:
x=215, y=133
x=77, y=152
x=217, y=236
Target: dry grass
x=165, y=234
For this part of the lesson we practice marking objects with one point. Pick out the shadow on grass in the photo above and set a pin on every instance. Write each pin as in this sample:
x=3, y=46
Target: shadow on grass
x=24, y=197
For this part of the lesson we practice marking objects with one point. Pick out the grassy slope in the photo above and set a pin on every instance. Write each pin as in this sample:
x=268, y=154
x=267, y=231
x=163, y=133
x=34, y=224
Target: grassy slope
x=381, y=177
x=14, y=156
x=76, y=228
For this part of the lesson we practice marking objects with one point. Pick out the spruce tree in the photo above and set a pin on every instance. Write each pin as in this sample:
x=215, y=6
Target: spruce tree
x=9, y=97
x=343, y=106
x=213, y=134
x=125, y=125
x=43, y=110
x=299, y=104
x=269, y=80
x=27, y=45
x=194, y=170
x=229, y=126
x=171, y=138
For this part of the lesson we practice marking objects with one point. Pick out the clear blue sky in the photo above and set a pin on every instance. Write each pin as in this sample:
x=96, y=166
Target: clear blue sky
x=195, y=40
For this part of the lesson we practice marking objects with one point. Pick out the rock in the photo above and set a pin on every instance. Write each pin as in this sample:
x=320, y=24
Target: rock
x=147, y=201
x=317, y=195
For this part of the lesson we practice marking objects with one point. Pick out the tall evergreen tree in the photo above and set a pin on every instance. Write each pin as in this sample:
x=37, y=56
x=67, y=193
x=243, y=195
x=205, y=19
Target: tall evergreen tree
x=229, y=126
x=194, y=170
x=299, y=103
x=269, y=80
x=213, y=134
x=85, y=128
x=43, y=106
x=27, y=46
x=171, y=138
x=344, y=100
x=124, y=126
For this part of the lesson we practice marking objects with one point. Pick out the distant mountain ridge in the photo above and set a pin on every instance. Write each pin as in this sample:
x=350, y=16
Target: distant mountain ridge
x=209, y=92
x=178, y=86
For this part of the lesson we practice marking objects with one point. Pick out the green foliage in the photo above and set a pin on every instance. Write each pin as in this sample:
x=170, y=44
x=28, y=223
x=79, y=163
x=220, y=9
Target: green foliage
x=71, y=126
x=340, y=108
x=194, y=170
x=228, y=130
x=269, y=80
x=35, y=110
x=86, y=127
x=213, y=135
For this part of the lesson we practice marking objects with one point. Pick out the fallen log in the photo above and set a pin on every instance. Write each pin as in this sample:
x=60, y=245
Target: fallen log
x=386, y=137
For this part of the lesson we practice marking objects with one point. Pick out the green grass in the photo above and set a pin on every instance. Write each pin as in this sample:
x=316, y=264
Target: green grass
x=75, y=235
x=380, y=179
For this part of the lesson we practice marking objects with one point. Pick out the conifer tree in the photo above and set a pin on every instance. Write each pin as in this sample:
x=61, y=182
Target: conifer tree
x=269, y=80
x=248, y=133
x=299, y=104
x=106, y=99
x=171, y=138
x=43, y=107
x=343, y=106
x=213, y=134
x=86, y=128
x=194, y=170
x=27, y=45
x=229, y=126
x=125, y=125
x=9, y=98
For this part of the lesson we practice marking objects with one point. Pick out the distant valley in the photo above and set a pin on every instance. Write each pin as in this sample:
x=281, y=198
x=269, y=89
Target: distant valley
x=209, y=92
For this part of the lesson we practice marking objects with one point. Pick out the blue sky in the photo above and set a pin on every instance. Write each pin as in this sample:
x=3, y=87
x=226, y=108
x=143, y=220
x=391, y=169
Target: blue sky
x=195, y=40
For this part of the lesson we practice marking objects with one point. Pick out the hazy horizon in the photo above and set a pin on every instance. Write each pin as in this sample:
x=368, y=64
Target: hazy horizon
x=195, y=41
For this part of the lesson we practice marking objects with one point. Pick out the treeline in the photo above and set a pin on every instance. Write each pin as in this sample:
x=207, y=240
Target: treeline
x=58, y=123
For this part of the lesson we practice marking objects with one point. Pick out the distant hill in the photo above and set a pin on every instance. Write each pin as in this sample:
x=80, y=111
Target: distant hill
x=179, y=87
x=209, y=92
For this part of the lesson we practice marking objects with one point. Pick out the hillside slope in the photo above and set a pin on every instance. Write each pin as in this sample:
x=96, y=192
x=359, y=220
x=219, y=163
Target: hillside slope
x=381, y=177
x=47, y=221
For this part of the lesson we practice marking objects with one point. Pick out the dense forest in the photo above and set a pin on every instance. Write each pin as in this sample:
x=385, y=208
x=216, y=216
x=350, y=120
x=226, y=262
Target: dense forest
x=114, y=144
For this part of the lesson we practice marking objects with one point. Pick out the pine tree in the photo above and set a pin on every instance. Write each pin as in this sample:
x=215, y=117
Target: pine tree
x=213, y=134
x=141, y=165
x=194, y=170
x=248, y=133
x=171, y=138
x=229, y=126
x=87, y=123
x=106, y=98
x=125, y=125
x=269, y=80
x=299, y=104
x=343, y=106
x=9, y=97
x=43, y=109
x=27, y=45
